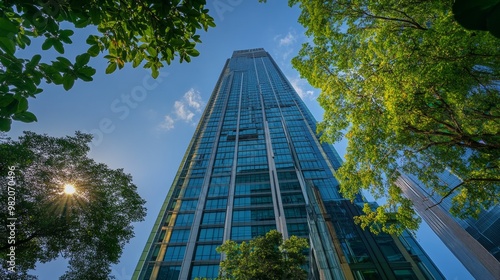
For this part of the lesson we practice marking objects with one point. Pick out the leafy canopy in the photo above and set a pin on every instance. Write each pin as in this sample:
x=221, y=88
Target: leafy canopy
x=133, y=31
x=412, y=91
x=89, y=227
x=265, y=257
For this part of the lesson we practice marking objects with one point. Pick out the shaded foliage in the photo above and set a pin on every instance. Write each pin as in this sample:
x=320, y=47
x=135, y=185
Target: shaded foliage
x=89, y=227
x=412, y=91
x=266, y=257
x=153, y=32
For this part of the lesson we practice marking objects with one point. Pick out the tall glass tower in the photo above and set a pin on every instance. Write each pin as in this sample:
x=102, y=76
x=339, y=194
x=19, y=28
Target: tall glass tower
x=256, y=164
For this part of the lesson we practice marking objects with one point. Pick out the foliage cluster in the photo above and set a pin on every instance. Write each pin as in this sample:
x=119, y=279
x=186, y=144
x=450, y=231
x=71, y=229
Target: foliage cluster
x=412, y=91
x=128, y=31
x=89, y=227
x=266, y=257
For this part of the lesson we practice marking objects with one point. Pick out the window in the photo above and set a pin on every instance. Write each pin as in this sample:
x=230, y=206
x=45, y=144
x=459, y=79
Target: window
x=155, y=253
x=250, y=189
x=192, y=191
x=218, y=191
x=220, y=203
x=291, y=175
x=206, y=252
x=211, y=234
x=253, y=215
x=253, y=178
x=241, y=233
x=220, y=181
x=179, y=235
x=253, y=200
x=249, y=232
x=204, y=271
x=297, y=229
x=188, y=205
x=213, y=218
x=169, y=272
x=162, y=235
x=293, y=198
x=184, y=220
x=290, y=186
x=295, y=212
x=174, y=253
x=195, y=182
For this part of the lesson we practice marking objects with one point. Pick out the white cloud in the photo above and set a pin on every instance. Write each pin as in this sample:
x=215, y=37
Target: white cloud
x=182, y=112
x=193, y=99
x=287, y=40
x=298, y=84
x=168, y=123
x=184, y=109
x=286, y=45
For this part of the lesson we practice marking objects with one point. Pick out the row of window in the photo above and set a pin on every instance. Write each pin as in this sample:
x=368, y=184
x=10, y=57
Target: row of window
x=221, y=203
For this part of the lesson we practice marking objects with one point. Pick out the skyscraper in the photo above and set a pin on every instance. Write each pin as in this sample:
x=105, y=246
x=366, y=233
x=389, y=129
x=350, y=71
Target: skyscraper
x=256, y=164
x=475, y=242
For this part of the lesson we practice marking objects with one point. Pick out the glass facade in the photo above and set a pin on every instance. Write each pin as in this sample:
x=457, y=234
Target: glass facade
x=255, y=164
x=475, y=242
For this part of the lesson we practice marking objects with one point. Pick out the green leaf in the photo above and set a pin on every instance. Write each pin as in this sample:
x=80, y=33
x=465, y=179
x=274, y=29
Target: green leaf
x=111, y=68
x=10, y=108
x=64, y=60
x=93, y=51
x=5, y=124
x=85, y=73
x=137, y=60
x=49, y=42
x=8, y=45
x=155, y=73
x=58, y=46
x=34, y=61
x=7, y=26
x=193, y=52
x=68, y=81
x=26, y=117
x=152, y=51
x=67, y=32
x=6, y=99
x=82, y=59
x=87, y=70
x=65, y=40
x=92, y=40
x=22, y=105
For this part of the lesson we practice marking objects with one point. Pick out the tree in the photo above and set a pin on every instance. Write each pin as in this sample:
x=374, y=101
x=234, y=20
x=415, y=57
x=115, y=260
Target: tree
x=265, y=257
x=128, y=31
x=89, y=227
x=412, y=91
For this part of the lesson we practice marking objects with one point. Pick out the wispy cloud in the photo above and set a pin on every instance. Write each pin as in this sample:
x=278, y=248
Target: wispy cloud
x=193, y=98
x=167, y=124
x=184, y=110
x=287, y=40
x=286, y=44
x=299, y=86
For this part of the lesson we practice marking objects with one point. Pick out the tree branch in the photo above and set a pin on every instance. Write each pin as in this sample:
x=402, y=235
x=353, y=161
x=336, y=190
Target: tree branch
x=413, y=24
x=446, y=195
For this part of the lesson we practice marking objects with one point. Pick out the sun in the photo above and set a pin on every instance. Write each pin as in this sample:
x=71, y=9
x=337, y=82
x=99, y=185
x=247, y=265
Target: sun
x=69, y=189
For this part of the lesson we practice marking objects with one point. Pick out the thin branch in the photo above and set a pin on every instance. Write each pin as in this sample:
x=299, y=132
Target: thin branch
x=412, y=23
x=446, y=195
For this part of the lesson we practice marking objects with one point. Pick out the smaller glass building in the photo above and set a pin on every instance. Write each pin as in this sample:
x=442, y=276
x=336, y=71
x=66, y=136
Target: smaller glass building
x=475, y=242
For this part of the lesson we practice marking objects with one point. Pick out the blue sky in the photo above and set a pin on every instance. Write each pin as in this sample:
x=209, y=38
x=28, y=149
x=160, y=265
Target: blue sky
x=144, y=125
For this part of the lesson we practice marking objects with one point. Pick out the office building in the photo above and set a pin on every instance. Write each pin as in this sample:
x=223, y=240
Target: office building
x=255, y=164
x=475, y=242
